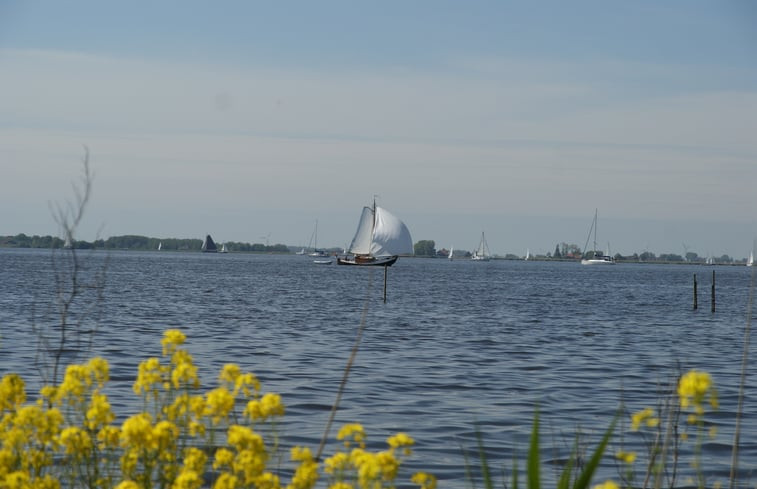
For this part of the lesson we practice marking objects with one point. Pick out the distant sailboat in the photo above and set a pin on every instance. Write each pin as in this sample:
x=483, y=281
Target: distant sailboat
x=223, y=249
x=750, y=260
x=316, y=251
x=209, y=246
x=596, y=257
x=482, y=252
x=451, y=252
x=160, y=246
x=528, y=254
x=379, y=240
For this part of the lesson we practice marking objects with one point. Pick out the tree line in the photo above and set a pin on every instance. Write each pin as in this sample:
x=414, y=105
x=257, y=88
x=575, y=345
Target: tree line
x=132, y=242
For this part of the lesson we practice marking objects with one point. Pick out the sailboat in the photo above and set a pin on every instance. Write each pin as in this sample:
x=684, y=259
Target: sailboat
x=482, y=252
x=528, y=254
x=160, y=246
x=314, y=239
x=209, y=246
x=597, y=257
x=451, y=252
x=379, y=240
x=223, y=249
x=750, y=260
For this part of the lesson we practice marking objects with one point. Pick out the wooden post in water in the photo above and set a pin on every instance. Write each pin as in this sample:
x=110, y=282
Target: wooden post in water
x=385, y=269
x=713, y=291
x=695, y=291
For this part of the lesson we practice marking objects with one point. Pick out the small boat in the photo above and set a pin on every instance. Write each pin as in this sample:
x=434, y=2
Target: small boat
x=160, y=246
x=451, y=252
x=223, y=249
x=750, y=260
x=209, y=246
x=482, y=252
x=323, y=262
x=596, y=257
x=528, y=254
x=379, y=240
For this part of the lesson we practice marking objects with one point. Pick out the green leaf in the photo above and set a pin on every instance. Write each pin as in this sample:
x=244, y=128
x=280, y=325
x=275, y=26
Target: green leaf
x=585, y=477
x=533, y=455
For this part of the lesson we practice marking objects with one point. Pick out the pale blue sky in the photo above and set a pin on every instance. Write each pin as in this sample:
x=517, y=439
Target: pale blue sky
x=249, y=119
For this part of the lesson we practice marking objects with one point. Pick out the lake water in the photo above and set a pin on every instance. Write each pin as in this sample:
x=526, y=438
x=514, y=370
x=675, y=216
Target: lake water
x=457, y=344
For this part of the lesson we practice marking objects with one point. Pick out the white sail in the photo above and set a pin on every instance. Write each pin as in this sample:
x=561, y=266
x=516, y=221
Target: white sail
x=482, y=252
x=361, y=243
x=451, y=252
x=390, y=235
x=750, y=261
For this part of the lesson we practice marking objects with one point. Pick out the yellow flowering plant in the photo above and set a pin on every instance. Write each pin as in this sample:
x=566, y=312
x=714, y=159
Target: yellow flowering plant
x=181, y=439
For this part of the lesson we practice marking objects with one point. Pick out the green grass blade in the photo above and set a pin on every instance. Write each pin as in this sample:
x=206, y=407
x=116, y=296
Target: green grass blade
x=484, y=465
x=585, y=477
x=567, y=473
x=533, y=456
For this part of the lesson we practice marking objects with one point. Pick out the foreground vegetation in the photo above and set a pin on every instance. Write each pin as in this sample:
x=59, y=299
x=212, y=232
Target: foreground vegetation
x=187, y=438
x=183, y=438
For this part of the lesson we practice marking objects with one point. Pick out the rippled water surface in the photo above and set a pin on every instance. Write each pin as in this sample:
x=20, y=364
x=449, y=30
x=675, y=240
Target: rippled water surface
x=457, y=344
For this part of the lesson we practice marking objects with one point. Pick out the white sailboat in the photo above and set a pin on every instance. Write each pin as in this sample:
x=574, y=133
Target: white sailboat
x=223, y=248
x=451, y=252
x=482, y=252
x=528, y=254
x=596, y=257
x=316, y=252
x=379, y=240
x=750, y=260
x=160, y=246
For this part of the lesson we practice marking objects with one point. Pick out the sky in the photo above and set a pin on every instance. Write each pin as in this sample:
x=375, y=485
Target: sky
x=251, y=121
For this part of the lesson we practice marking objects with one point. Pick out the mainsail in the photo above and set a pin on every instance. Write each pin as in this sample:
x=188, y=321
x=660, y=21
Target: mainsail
x=381, y=234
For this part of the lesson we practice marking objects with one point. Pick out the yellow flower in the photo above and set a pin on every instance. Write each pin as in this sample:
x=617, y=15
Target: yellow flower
x=267, y=480
x=341, y=485
x=185, y=373
x=645, y=416
x=306, y=474
x=171, y=339
x=194, y=459
x=401, y=440
x=187, y=479
x=137, y=432
x=226, y=481
x=426, y=481
x=219, y=403
x=693, y=388
x=354, y=432
x=149, y=376
x=99, y=370
x=336, y=464
x=244, y=382
x=607, y=485
x=99, y=413
x=108, y=437
x=12, y=393
x=268, y=406
x=229, y=373
x=243, y=438
x=627, y=457
x=17, y=480
x=128, y=485
x=76, y=442
x=224, y=457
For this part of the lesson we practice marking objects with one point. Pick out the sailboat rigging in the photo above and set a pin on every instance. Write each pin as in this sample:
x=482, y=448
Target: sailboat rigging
x=596, y=257
x=379, y=240
x=482, y=252
x=314, y=239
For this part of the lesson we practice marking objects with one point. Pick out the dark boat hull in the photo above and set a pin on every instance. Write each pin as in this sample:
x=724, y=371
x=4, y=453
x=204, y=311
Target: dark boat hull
x=368, y=262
